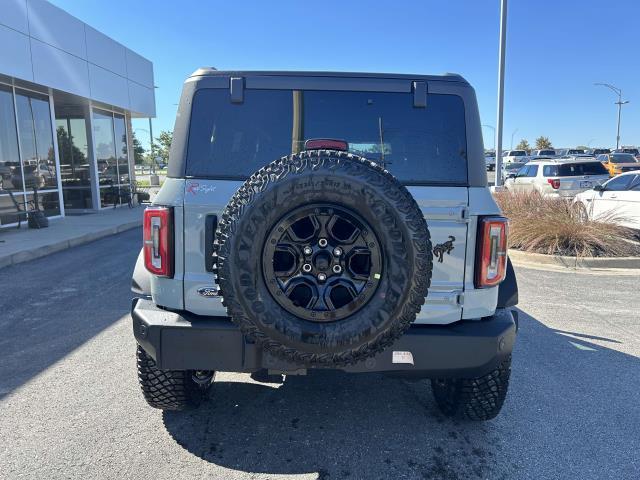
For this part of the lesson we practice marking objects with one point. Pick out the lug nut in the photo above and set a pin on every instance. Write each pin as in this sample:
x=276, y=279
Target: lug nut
x=306, y=268
x=322, y=277
x=323, y=242
x=337, y=251
x=307, y=250
x=337, y=269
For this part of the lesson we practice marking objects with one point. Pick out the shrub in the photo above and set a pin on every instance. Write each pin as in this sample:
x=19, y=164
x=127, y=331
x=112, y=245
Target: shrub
x=555, y=227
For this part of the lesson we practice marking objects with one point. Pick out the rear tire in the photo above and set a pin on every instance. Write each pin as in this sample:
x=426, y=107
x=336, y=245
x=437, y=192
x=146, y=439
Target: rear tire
x=171, y=389
x=478, y=398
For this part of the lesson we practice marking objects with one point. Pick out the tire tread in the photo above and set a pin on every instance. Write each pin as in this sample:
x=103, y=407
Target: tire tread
x=350, y=165
x=165, y=389
x=478, y=398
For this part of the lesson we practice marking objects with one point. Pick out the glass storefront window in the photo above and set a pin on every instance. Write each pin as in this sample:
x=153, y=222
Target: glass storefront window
x=36, y=142
x=9, y=156
x=105, y=148
x=121, y=149
x=110, y=136
x=27, y=154
x=75, y=171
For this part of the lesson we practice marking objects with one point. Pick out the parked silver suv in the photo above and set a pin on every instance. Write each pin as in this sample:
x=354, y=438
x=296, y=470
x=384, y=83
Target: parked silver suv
x=558, y=177
x=326, y=220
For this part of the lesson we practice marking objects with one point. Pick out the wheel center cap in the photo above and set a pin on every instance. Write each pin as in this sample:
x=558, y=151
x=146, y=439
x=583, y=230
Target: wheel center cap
x=322, y=261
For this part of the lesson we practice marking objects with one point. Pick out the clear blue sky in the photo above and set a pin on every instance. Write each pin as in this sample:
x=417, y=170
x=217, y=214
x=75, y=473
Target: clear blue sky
x=556, y=50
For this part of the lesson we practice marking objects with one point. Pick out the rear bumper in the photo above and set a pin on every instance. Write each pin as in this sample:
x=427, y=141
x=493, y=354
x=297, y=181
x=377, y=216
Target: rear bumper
x=183, y=341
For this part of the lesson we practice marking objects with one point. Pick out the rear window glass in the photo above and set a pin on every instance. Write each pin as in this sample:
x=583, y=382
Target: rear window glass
x=547, y=152
x=574, y=169
x=623, y=158
x=417, y=145
x=513, y=166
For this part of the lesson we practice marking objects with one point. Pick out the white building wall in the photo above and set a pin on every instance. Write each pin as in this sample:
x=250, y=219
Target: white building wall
x=43, y=44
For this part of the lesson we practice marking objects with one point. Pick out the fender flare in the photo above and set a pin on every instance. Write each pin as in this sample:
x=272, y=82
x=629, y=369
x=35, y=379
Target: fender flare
x=141, y=278
x=508, y=289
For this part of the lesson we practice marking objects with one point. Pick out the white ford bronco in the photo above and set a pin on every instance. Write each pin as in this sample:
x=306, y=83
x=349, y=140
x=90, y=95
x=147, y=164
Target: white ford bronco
x=315, y=220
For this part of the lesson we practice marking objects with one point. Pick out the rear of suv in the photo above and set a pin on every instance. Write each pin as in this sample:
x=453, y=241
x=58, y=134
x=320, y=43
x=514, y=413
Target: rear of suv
x=562, y=178
x=326, y=220
x=617, y=163
x=514, y=156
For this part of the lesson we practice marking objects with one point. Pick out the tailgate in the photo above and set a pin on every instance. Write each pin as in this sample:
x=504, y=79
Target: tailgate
x=576, y=184
x=444, y=209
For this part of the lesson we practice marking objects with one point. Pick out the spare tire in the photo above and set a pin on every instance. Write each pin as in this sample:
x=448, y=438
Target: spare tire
x=323, y=258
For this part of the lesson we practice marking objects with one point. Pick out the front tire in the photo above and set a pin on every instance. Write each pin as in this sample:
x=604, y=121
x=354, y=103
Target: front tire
x=479, y=398
x=171, y=389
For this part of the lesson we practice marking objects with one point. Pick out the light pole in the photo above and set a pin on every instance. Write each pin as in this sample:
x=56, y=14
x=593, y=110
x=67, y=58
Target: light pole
x=153, y=162
x=501, y=55
x=494, y=134
x=618, y=92
x=514, y=132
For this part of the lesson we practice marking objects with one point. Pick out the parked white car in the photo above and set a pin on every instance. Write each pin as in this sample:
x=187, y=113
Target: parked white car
x=564, y=152
x=514, y=156
x=511, y=169
x=564, y=177
x=618, y=198
x=490, y=160
x=546, y=152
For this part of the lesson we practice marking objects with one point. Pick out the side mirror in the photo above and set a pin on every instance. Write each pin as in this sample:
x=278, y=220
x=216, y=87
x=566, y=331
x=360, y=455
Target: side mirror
x=512, y=175
x=599, y=188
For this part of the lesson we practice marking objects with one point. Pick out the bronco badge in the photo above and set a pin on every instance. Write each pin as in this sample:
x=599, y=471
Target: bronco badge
x=442, y=248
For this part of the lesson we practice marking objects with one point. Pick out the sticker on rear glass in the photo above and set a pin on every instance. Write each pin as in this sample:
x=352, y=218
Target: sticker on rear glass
x=402, y=357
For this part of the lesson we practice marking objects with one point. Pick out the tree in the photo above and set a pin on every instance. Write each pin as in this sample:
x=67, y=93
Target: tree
x=163, y=145
x=543, y=143
x=138, y=151
x=523, y=145
x=582, y=147
x=69, y=153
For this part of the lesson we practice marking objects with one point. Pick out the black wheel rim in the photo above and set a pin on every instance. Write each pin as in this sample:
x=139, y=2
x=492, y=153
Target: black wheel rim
x=322, y=262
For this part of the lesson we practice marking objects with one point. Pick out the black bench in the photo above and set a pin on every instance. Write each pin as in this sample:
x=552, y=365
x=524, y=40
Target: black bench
x=19, y=207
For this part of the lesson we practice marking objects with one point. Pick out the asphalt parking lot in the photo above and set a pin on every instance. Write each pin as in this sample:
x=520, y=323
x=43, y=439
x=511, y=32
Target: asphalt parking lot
x=70, y=405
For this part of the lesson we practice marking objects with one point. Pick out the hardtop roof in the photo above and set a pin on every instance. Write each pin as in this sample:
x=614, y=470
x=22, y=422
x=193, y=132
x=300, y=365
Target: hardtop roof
x=563, y=160
x=210, y=71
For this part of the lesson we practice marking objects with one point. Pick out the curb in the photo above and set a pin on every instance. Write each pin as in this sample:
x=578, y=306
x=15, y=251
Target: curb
x=555, y=262
x=45, y=250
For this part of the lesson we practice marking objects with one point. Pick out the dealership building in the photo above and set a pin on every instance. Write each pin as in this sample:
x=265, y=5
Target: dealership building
x=67, y=96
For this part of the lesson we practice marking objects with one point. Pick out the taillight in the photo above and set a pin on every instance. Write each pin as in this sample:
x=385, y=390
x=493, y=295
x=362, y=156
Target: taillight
x=554, y=182
x=158, y=240
x=491, y=257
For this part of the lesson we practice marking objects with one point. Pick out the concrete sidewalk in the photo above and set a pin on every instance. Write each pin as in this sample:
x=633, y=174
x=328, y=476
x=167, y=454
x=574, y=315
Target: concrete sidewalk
x=21, y=245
